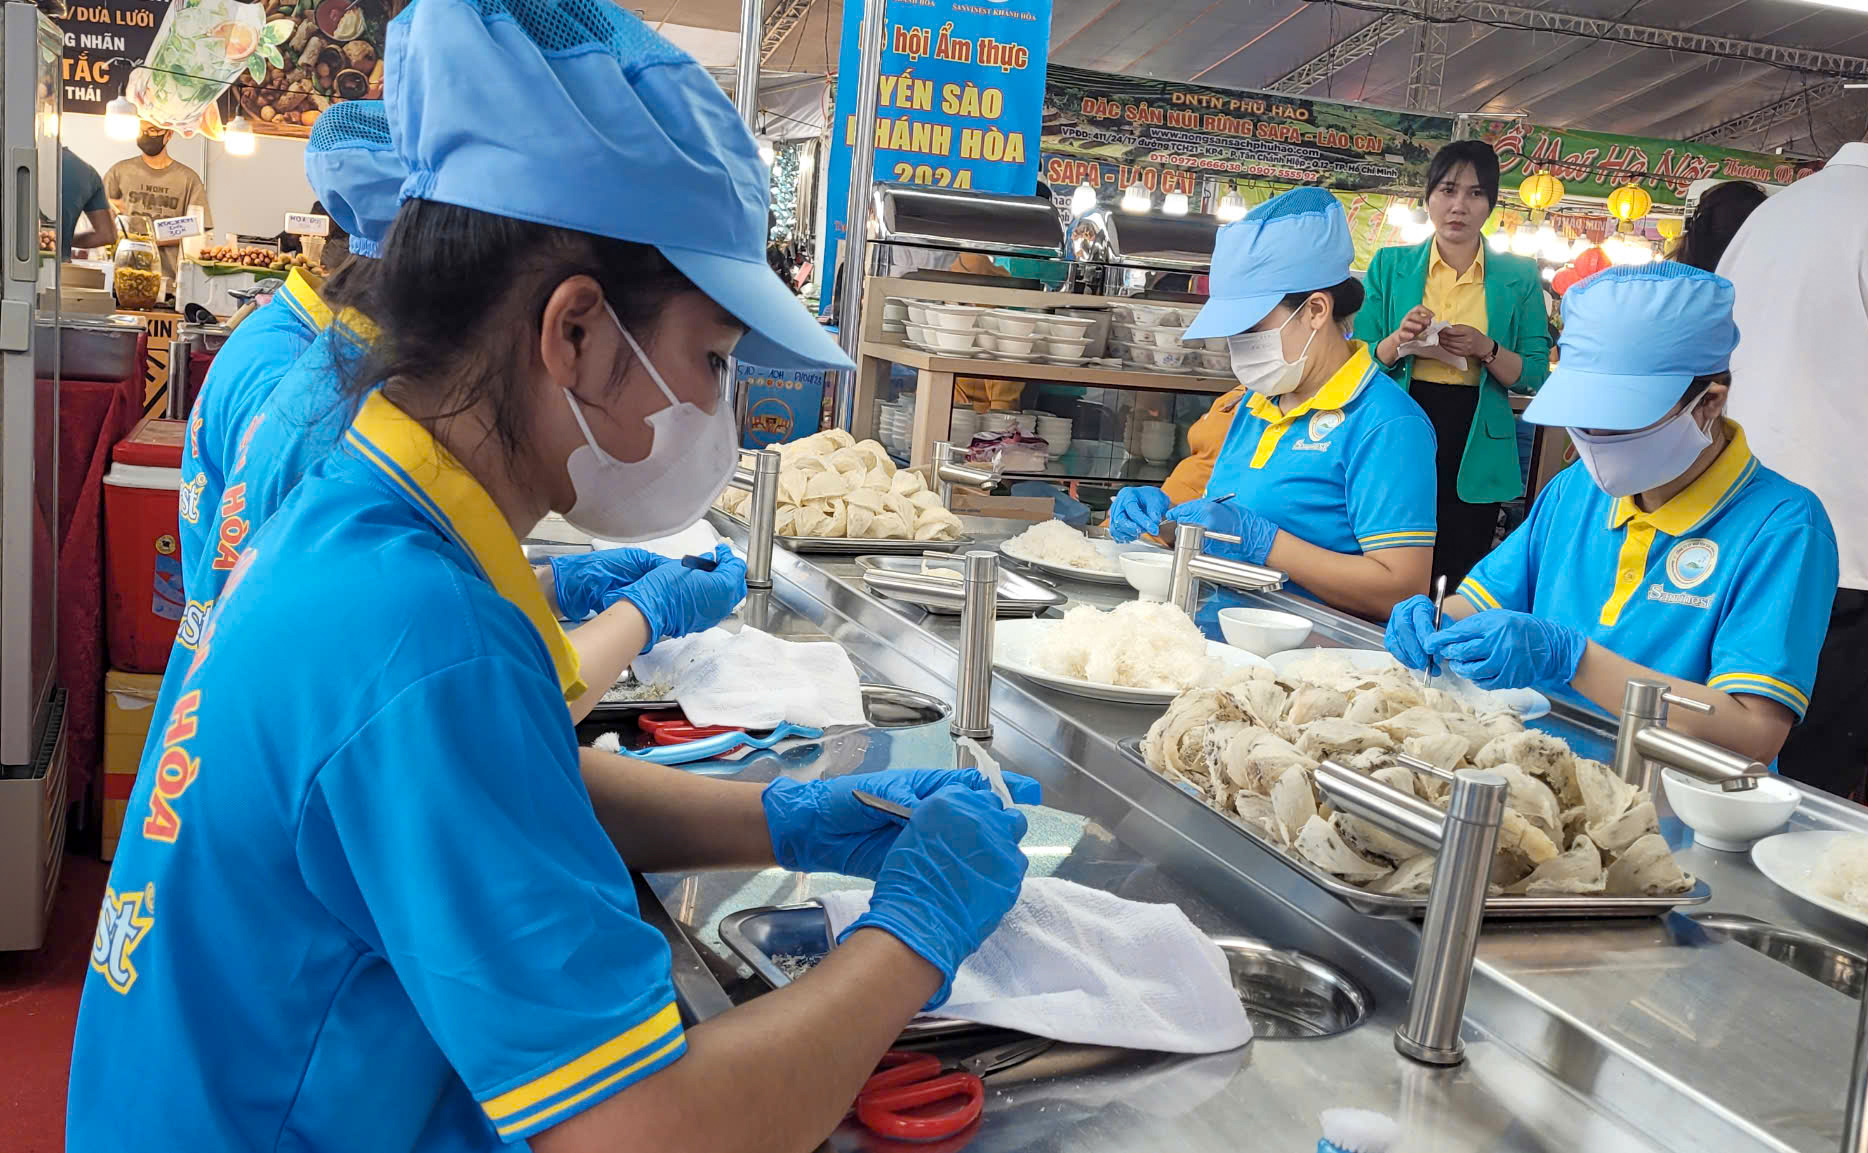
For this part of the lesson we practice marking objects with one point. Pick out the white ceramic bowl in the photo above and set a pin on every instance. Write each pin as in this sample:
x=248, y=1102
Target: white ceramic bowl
x=949, y=340
x=1729, y=821
x=1262, y=631
x=1173, y=359
x=1149, y=573
x=894, y=310
x=1022, y=345
x=1123, y=330
x=1141, y=314
x=1055, y=446
x=917, y=332
x=985, y=341
x=1215, y=361
x=1005, y=322
x=953, y=317
x=1066, y=327
x=1161, y=335
x=1066, y=345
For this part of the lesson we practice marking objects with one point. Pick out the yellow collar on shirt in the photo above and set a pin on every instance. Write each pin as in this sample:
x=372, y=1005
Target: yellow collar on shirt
x=448, y=494
x=1474, y=274
x=1709, y=492
x=1336, y=392
x=301, y=292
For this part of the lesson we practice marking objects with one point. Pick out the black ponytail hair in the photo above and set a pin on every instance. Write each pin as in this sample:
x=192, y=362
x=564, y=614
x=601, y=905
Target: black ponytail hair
x=1345, y=298
x=457, y=297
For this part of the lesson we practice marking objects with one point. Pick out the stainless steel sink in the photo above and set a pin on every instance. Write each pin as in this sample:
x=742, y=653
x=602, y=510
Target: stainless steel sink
x=1288, y=994
x=1808, y=954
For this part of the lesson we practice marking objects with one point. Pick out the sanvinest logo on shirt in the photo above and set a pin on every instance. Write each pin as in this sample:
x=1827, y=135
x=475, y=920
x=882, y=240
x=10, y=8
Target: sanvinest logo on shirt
x=1318, y=430
x=1690, y=563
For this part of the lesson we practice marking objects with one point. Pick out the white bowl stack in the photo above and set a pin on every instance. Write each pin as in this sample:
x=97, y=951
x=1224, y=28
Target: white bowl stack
x=896, y=425
x=964, y=428
x=1056, y=433
x=1158, y=438
x=943, y=329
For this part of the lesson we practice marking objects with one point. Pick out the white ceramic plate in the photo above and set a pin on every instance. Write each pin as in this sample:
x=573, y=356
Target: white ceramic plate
x=1015, y=645
x=1108, y=548
x=1789, y=860
x=1529, y=704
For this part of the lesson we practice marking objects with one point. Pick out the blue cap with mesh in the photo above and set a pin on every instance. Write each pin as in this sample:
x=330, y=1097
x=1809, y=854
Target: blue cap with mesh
x=1634, y=338
x=572, y=113
x=355, y=172
x=1294, y=242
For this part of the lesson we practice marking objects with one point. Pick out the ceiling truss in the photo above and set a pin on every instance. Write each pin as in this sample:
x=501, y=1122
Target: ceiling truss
x=1797, y=106
x=783, y=18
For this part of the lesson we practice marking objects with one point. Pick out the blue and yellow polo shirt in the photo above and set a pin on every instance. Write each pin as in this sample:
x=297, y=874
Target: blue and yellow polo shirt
x=1349, y=470
x=361, y=900
x=1729, y=584
x=243, y=375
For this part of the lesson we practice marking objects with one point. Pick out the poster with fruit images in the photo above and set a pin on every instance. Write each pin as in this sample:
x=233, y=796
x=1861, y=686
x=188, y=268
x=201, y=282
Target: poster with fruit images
x=334, y=53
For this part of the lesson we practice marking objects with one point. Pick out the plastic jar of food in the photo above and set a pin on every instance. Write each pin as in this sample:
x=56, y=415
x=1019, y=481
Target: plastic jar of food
x=137, y=279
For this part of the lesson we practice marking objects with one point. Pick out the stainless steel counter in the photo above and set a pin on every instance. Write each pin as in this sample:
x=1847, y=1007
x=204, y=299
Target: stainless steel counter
x=1581, y=1036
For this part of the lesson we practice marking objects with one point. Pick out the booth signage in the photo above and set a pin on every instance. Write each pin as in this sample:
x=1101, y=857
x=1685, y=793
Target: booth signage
x=781, y=404
x=307, y=224
x=1594, y=164
x=959, y=102
x=101, y=38
x=1115, y=131
x=177, y=227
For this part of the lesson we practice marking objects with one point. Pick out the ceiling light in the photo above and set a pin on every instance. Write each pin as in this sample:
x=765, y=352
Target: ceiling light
x=120, y=120
x=1174, y=204
x=1231, y=207
x=1136, y=199
x=1082, y=199
x=1498, y=241
x=238, y=137
x=1849, y=5
x=1859, y=84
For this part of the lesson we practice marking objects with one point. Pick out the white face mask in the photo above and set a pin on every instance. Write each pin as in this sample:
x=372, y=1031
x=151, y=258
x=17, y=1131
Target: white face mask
x=1624, y=464
x=1258, y=360
x=690, y=460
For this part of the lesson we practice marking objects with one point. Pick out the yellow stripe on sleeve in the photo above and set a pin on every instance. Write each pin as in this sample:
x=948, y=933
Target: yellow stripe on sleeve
x=1382, y=540
x=621, y=1047
x=1475, y=592
x=552, y=1114
x=1761, y=685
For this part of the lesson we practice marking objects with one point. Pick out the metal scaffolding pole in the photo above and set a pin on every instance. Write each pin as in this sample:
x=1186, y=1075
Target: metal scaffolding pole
x=1338, y=56
x=1793, y=107
x=780, y=22
x=746, y=84
x=855, y=246
x=1428, y=68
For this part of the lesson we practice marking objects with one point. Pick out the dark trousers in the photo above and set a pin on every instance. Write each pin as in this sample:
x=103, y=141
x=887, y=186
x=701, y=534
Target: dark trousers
x=1463, y=532
x=1830, y=748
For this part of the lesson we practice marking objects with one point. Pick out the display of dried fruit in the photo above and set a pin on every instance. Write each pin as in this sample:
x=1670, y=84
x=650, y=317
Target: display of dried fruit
x=258, y=259
x=136, y=288
x=335, y=53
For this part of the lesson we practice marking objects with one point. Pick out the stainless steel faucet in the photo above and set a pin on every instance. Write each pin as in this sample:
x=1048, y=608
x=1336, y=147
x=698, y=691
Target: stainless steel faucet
x=1192, y=565
x=1644, y=744
x=1465, y=838
x=951, y=468
x=979, y=610
x=761, y=480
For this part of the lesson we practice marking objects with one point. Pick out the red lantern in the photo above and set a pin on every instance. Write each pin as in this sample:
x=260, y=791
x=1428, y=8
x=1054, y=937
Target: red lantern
x=1592, y=261
x=1565, y=280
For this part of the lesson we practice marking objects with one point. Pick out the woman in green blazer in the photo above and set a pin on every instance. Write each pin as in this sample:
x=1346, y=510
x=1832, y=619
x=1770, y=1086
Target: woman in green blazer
x=1493, y=304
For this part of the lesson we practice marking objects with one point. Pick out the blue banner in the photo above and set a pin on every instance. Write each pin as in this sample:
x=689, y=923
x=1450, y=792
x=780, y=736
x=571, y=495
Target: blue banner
x=781, y=404
x=960, y=103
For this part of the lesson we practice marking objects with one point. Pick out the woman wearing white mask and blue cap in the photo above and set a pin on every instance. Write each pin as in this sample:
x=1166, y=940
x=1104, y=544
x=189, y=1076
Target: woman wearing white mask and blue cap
x=1327, y=473
x=1670, y=552
x=368, y=902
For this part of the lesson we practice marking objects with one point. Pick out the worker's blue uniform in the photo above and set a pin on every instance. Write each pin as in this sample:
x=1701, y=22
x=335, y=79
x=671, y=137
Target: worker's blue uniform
x=362, y=900
x=1728, y=584
x=1349, y=470
x=242, y=376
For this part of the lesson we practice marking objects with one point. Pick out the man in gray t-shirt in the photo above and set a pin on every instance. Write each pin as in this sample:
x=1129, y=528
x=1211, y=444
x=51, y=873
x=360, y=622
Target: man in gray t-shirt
x=158, y=186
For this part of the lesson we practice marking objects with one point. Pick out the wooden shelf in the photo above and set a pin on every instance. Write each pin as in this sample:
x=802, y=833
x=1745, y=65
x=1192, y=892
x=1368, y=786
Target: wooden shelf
x=1084, y=375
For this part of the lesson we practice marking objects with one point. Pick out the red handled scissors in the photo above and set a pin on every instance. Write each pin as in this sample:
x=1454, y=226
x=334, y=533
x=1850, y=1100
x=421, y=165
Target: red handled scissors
x=674, y=729
x=917, y=1097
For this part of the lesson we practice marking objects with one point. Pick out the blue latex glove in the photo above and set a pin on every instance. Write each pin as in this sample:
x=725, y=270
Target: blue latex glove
x=1500, y=649
x=953, y=873
x=819, y=827
x=1255, y=533
x=1409, y=626
x=676, y=600
x=588, y=583
x=1137, y=512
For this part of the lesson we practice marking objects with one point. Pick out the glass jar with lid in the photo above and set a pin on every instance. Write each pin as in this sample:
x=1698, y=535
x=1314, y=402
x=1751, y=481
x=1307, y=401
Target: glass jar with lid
x=137, y=277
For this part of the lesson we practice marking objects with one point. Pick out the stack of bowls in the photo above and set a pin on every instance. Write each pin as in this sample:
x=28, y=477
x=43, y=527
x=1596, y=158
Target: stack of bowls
x=946, y=329
x=895, y=315
x=964, y=428
x=1055, y=431
x=1158, y=437
x=896, y=425
x=997, y=422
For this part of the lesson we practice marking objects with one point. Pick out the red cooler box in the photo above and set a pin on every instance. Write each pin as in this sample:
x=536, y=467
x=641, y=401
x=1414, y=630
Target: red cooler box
x=143, y=598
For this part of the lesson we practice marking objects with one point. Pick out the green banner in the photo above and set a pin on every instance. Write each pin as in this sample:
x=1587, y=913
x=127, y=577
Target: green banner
x=1114, y=131
x=1596, y=163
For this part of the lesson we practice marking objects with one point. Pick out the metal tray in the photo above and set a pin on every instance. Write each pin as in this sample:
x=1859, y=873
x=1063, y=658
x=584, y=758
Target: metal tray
x=1019, y=595
x=1496, y=908
x=758, y=935
x=845, y=546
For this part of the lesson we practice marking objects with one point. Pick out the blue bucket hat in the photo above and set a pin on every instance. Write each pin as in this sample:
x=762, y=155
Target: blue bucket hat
x=355, y=172
x=573, y=114
x=1294, y=242
x=1634, y=338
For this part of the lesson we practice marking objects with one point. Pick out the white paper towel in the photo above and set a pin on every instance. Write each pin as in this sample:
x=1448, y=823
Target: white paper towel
x=1429, y=346
x=1080, y=965
x=753, y=680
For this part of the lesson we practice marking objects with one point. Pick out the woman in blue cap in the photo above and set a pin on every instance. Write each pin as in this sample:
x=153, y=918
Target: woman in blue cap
x=1327, y=474
x=371, y=897
x=1670, y=553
